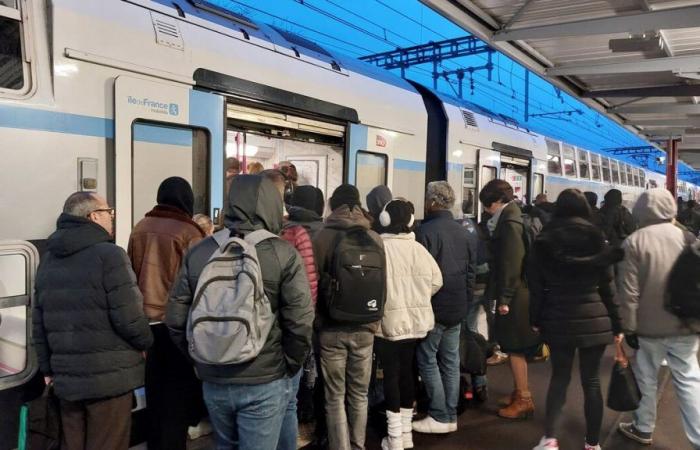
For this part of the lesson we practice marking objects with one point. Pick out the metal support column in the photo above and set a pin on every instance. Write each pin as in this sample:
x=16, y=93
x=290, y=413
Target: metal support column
x=672, y=166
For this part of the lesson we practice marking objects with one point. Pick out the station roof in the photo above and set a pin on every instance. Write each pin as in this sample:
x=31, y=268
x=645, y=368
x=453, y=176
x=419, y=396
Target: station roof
x=638, y=61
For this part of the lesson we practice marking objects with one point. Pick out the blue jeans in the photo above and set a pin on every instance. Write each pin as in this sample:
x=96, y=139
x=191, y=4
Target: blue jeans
x=472, y=324
x=681, y=352
x=290, y=425
x=438, y=364
x=247, y=416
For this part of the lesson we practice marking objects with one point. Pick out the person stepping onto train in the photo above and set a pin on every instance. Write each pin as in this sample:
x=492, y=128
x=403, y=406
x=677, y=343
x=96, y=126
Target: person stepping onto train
x=438, y=354
x=241, y=308
x=90, y=332
x=413, y=277
x=351, y=264
x=508, y=288
x=572, y=289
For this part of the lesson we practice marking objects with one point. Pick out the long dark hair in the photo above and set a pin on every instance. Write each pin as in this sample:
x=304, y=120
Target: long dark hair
x=572, y=203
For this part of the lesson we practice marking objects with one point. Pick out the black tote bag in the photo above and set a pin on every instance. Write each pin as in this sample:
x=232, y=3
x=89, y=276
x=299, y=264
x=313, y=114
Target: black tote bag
x=623, y=392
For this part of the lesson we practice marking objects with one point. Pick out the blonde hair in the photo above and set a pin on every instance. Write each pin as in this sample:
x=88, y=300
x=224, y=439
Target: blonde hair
x=255, y=168
x=204, y=223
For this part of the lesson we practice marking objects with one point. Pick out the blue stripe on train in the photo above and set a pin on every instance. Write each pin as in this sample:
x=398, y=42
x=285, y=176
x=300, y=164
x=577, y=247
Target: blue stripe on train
x=57, y=122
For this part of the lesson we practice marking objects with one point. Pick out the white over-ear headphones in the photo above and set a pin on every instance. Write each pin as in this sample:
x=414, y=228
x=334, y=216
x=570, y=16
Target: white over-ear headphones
x=385, y=217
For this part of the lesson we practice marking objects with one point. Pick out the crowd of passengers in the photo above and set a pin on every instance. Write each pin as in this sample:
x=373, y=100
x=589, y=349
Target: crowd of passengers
x=107, y=321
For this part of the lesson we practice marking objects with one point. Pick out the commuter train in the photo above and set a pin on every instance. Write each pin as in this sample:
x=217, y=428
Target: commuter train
x=113, y=96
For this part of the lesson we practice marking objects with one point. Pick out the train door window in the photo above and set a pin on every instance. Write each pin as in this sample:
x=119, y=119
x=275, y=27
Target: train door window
x=488, y=173
x=605, y=168
x=17, y=266
x=569, y=160
x=538, y=188
x=553, y=158
x=14, y=66
x=162, y=151
x=614, y=168
x=469, y=192
x=370, y=171
x=595, y=166
x=583, y=164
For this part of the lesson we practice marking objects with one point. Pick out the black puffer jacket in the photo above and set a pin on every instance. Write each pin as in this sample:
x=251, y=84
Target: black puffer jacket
x=454, y=249
x=89, y=325
x=254, y=204
x=572, y=285
x=617, y=220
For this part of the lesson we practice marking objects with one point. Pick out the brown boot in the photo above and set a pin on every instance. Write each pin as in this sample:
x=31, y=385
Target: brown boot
x=521, y=408
x=507, y=401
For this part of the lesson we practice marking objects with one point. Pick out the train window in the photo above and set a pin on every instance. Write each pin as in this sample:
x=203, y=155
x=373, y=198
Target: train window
x=12, y=66
x=642, y=179
x=583, y=164
x=370, y=171
x=569, y=161
x=553, y=158
x=630, y=178
x=636, y=178
x=595, y=166
x=614, y=168
x=605, y=168
x=159, y=152
x=469, y=192
x=539, y=185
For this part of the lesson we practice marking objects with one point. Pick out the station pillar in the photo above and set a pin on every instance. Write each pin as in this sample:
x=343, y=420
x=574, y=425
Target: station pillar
x=672, y=166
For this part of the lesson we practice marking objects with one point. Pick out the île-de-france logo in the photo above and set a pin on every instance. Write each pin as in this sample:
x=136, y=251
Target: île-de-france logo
x=155, y=106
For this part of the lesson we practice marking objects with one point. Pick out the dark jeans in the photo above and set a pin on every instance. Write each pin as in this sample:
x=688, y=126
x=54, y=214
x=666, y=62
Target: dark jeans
x=397, y=363
x=96, y=424
x=173, y=393
x=562, y=359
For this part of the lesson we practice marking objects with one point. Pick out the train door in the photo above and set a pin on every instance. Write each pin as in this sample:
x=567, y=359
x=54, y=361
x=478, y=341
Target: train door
x=18, y=262
x=163, y=130
x=516, y=171
x=488, y=168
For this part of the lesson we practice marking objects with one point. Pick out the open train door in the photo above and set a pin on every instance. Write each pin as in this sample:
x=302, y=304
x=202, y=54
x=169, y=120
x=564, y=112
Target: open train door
x=489, y=167
x=161, y=130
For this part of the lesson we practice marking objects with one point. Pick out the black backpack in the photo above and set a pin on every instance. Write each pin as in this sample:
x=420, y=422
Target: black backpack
x=356, y=288
x=684, y=281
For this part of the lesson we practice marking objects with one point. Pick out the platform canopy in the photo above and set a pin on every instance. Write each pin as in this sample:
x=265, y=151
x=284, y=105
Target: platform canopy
x=638, y=61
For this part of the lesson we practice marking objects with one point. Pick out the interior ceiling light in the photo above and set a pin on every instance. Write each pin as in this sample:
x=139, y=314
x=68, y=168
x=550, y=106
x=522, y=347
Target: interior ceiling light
x=647, y=42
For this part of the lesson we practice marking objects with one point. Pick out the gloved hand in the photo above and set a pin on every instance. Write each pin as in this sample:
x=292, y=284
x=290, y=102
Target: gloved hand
x=632, y=341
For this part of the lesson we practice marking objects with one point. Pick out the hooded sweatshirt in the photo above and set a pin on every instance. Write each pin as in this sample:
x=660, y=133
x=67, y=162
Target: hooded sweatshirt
x=89, y=326
x=650, y=253
x=616, y=219
x=376, y=199
x=254, y=203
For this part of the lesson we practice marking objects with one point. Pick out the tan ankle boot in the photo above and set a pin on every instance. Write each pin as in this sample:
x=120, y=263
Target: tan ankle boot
x=520, y=408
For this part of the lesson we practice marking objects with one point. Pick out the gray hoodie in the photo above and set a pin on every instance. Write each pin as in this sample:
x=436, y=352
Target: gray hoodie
x=650, y=253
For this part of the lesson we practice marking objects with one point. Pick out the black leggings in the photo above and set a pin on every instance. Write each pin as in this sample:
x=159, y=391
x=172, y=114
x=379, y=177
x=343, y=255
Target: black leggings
x=589, y=365
x=396, y=358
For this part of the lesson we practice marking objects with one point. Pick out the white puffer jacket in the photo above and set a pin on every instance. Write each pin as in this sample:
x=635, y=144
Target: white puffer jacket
x=413, y=277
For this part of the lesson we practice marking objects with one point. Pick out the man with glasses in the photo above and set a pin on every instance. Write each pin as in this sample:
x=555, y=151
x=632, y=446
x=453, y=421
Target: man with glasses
x=90, y=332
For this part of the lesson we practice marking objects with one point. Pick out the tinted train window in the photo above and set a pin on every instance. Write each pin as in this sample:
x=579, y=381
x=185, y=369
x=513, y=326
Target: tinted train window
x=606, y=169
x=636, y=177
x=615, y=172
x=630, y=177
x=553, y=158
x=595, y=166
x=642, y=179
x=469, y=191
x=11, y=63
x=583, y=164
x=569, y=161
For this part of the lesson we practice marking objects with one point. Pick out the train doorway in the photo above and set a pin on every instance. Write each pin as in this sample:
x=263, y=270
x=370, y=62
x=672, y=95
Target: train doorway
x=516, y=171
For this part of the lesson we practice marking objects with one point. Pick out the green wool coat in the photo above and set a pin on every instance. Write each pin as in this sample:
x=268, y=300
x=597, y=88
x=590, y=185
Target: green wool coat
x=507, y=283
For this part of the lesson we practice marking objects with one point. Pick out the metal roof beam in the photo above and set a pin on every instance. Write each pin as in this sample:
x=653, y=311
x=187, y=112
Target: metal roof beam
x=671, y=18
x=676, y=64
x=675, y=90
x=657, y=108
x=669, y=123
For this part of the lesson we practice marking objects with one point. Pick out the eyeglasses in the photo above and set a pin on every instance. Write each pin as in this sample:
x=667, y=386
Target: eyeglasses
x=108, y=210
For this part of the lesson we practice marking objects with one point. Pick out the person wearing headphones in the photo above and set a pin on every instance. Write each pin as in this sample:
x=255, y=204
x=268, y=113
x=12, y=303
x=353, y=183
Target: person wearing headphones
x=413, y=277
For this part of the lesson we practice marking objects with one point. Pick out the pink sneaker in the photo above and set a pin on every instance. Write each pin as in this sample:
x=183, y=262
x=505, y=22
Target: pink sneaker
x=547, y=443
x=591, y=447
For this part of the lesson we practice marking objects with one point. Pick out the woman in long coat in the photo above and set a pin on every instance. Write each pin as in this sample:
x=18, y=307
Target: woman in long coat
x=508, y=288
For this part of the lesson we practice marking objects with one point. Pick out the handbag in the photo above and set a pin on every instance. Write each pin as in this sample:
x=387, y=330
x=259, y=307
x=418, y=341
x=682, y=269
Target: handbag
x=40, y=423
x=539, y=353
x=623, y=392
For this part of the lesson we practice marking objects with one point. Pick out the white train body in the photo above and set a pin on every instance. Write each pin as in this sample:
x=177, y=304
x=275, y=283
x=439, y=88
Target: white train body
x=116, y=95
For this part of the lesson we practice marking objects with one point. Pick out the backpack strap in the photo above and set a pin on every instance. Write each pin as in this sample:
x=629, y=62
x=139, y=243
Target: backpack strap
x=258, y=236
x=221, y=237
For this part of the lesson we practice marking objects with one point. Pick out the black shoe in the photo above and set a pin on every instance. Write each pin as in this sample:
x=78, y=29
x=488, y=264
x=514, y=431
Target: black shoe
x=481, y=394
x=629, y=431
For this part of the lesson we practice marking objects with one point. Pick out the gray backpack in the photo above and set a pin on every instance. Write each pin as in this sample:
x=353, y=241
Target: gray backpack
x=231, y=316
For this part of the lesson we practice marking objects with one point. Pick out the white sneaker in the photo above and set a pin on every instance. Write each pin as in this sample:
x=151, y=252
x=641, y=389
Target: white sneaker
x=432, y=426
x=591, y=447
x=664, y=363
x=547, y=443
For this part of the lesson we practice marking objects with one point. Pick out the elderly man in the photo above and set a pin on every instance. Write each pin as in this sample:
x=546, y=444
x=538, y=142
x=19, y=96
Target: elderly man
x=90, y=331
x=650, y=254
x=455, y=252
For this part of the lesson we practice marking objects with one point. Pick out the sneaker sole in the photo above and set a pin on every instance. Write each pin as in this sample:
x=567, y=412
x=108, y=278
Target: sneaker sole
x=634, y=437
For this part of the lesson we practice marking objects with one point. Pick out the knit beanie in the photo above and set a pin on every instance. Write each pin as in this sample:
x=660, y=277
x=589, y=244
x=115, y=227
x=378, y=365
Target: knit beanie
x=177, y=193
x=308, y=197
x=345, y=194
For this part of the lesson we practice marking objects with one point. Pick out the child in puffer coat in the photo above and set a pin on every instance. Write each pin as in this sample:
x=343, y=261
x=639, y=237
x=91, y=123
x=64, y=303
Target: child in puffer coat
x=413, y=277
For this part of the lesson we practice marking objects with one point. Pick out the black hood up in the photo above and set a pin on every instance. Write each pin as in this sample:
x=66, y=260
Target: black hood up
x=377, y=198
x=177, y=193
x=73, y=234
x=254, y=203
x=575, y=241
x=613, y=198
x=299, y=214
